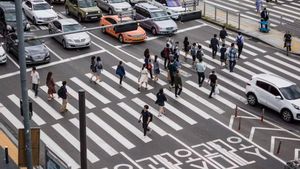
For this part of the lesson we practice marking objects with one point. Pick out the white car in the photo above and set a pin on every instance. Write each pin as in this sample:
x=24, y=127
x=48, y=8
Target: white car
x=277, y=93
x=114, y=6
x=173, y=7
x=3, y=55
x=39, y=11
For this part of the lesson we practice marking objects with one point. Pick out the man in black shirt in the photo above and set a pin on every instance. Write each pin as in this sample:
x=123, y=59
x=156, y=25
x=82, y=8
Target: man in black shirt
x=214, y=44
x=213, y=82
x=223, y=34
x=147, y=118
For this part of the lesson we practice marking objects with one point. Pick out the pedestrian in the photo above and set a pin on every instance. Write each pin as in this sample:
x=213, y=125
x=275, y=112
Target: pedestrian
x=178, y=84
x=214, y=44
x=93, y=68
x=172, y=70
x=200, y=68
x=193, y=53
x=176, y=51
x=160, y=100
x=186, y=47
x=223, y=57
x=165, y=53
x=223, y=34
x=156, y=68
x=149, y=68
x=199, y=53
x=143, y=77
x=121, y=72
x=35, y=80
x=177, y=64
x=264, y=14
x=51, y=86
x=99, y=68
x=240, y=43
x=258, y=4
x=232, y=56
x=147, y=53
x=212, y=80
x=63, y=94
x=288, y=40
x=146, y=119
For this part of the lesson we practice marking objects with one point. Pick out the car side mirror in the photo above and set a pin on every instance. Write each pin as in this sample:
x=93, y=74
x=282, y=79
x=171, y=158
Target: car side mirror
x=278, y=97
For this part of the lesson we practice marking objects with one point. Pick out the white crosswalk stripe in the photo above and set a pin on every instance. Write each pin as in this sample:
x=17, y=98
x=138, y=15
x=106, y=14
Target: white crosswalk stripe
x=74, y=142
x=256, y=19
x=257, y=67
x=248, y=45
x=209, y=50
x=222, y=6
x=244, y=70
x=174, y=110
x=114, y=133
x=97, y=140
x=288, y=10
x=108, y=88
x=283, y=63
x=190, y=57
x=90, y=90
x=235, y=75
x=287, y=58
x=164, y=119
x=74, y=94
x=10, y=117
x=35, y=117
x=230, y=82
x=45, y=106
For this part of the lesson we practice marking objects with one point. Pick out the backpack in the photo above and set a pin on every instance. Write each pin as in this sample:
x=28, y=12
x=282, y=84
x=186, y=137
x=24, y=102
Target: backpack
x=193, y=51
x=60, y=92
x=100, y=66
x=93, y=67
x=162, y=53
x=239, y=40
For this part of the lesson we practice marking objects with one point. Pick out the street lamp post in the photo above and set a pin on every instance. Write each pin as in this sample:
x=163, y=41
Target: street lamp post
x=22, y=63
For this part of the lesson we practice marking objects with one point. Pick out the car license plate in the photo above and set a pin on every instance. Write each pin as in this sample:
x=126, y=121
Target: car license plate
x=94, y=17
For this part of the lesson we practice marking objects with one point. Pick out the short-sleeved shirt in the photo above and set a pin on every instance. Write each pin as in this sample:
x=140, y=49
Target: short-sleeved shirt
x=213, y=78
x=35, y=77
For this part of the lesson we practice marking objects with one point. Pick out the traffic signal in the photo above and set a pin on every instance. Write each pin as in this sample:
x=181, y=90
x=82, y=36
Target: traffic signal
x=30, y=108
x=126, y=27
x=190, y=16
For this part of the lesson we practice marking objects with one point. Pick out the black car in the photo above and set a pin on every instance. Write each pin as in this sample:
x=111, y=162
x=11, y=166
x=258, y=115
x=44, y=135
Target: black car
x=35, y=50
x=8, y=21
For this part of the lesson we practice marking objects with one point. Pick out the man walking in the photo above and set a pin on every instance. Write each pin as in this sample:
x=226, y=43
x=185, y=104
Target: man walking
x=146, y=119
x=35, y=80
x=240, y=43
x=200, y=68
x=287, y=40
x=212, y=82
x=223, y=34
x=172, y=71
x=178, y=84
x=232, y=57
x=165, y=53
x=121, y=72
x=214, y=44
x=63, y=94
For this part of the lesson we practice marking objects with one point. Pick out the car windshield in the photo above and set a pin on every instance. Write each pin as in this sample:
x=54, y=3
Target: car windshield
x=160, y=14
x=173, y=3
x=291, y=92
x=73, y=27
x=86, y=3
x=117, y=1
x=32, y=43
x=10, y=16
x=41, y=6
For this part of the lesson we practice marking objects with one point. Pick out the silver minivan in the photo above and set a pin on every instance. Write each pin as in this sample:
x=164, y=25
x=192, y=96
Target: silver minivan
x=162, y=25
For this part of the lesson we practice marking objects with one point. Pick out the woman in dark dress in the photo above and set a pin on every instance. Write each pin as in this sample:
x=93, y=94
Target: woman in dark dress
x=51, y=86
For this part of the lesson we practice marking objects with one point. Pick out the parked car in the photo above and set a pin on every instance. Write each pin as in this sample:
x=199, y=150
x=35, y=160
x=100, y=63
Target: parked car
x=35, y=50
x=138, y=35
x=39, y=11
x=84, y=10
x=173, y=7
x=275, y=92
x=8, y=20
x=162, y=25
x=3, y=55
x=74, y=40
x=55, y=1
x=114, y=6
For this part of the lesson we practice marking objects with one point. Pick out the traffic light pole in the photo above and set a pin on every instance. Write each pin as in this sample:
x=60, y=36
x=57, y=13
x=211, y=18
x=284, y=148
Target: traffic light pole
x=22, y=64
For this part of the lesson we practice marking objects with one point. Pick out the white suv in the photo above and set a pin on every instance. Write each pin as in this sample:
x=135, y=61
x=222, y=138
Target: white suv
x=276, y=93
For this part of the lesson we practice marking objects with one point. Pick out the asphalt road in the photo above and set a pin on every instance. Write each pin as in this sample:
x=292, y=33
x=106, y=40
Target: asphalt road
x=187, y=137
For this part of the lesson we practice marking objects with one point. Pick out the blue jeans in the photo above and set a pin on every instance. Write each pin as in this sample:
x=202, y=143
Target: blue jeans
x=231, y=65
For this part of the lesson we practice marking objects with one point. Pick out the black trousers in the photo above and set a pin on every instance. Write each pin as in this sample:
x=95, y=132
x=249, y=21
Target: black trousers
x=240, y=49
x=213, y=86
x=172, y=79
x=121, y=79
x=201, y=77
x=214, y=52
x=35, y=88
x=231, y=65
x=150, y=71
x=145, y=127
x=177, y=90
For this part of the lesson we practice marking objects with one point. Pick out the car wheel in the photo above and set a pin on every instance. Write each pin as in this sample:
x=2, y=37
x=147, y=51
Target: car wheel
x=110, y=12
x=64, y=44
x=286, y=115
x=67, y=11
x=34, y=21
x=252, y=100
x=121, y=39
x=153, y=30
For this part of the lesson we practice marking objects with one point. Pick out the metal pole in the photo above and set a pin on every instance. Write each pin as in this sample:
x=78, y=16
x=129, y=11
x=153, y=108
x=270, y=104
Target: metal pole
x=204, y=6
x=239, y=26
x=22, y=64
x=215, y=13
x=6, y=155
x=82, y=129
x=226, y=17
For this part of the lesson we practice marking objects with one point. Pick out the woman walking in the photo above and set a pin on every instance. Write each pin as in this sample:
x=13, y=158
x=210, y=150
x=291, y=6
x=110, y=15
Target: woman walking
x=93, y=68
x=160, y=100
x=99, y=68
x=223, y=55
x=143, y=77
x=193, y=53
x=51, y=86
x=156, y=68
x=186, y=47
x=120, y=71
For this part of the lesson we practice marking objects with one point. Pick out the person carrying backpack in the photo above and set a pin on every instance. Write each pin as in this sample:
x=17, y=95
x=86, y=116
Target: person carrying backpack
x=120, y=71
x=93, y=68
x=199, y=53
x=99, y=68
x=63, y=94
x=240, y=43
x=160, y=101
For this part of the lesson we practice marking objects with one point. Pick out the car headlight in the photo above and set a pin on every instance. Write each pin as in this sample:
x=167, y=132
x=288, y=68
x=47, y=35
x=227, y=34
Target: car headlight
x=86, y=13
x=99, y=11
x=296, y=107
x=70, y=40
x=118, y=9
x=8, y=27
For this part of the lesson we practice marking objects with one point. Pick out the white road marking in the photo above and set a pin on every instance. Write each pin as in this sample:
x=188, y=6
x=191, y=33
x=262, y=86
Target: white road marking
x=256, y=19
x=115, y=134
x=230, y=82
x=261, y=128
x=283, y=13
x=54, y=53
x=283, y=63
x=221, y=6
x=273, y=139
x=210, y=50
x=174, y=110
x=287, y=58
x=131, y=160
x=10, y=117
x=244, y=70
x=288, y=10
x=190, y=57
x=14, y=62
x=45, y=106
x=257, y=67
x=244, y=50
x=97, y=140
x=138, y=133
x=74, y=142
x=35, y=117
x=164, y=119
x=90, y=90
x=137, y=115
x=248, y=45
x=236, y=75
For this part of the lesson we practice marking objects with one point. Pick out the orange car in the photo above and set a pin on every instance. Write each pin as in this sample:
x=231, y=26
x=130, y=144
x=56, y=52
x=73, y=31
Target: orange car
x=138, y=35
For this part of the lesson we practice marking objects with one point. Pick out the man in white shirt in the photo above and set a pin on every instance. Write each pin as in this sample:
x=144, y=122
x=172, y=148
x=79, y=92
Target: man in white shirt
x=35, y=80
x=200, y=68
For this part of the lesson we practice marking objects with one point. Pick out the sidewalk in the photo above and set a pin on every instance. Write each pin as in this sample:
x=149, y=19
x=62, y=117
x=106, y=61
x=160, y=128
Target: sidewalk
x=12, y=152
x=249, y=27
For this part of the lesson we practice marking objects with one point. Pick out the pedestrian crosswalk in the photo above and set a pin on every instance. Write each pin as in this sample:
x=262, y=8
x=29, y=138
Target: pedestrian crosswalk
x=113, y=112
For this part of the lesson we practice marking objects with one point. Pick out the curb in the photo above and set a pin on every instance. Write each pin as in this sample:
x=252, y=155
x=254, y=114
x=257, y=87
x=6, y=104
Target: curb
x=245, y=34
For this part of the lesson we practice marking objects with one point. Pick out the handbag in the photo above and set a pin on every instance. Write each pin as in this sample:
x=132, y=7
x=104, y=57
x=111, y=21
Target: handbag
x=217, y=90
